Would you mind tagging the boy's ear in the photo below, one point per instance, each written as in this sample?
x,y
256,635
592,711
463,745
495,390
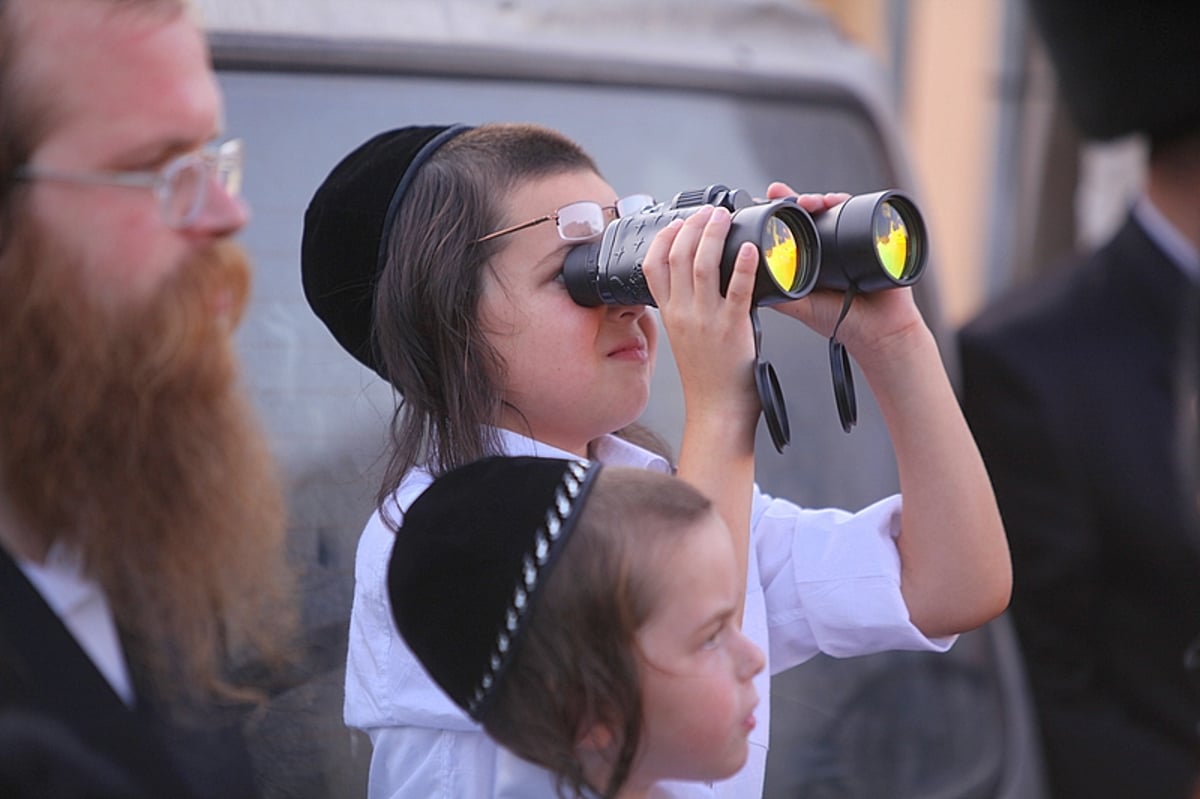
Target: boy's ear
x,y
595,738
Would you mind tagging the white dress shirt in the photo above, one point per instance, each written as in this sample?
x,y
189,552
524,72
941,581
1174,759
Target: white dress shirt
x,y
1167,237
818,581
80,603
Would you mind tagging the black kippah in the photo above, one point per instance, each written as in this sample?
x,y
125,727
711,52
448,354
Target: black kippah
x,y
346,228
1125,66
470,561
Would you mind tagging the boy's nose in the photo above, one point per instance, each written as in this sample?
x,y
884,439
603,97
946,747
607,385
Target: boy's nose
x,y
752,660
627,311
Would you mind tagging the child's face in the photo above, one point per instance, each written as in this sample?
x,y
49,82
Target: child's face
x,y
573,373
697,666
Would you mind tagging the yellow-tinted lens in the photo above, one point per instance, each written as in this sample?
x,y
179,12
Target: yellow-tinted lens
x,y
891,240
779,251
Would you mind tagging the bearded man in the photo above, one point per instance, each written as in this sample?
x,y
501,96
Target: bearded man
x,y
141,519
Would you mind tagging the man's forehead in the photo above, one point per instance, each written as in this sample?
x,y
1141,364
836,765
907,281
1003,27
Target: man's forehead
x,y
55,38
135,72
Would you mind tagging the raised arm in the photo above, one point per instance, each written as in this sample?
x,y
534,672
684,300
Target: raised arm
x,y
712,342
955,568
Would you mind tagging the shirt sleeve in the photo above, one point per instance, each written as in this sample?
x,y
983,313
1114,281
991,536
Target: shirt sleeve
x,y
385,684
831,582
413,762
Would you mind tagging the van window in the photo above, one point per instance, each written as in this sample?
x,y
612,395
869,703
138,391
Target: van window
x,y
897,725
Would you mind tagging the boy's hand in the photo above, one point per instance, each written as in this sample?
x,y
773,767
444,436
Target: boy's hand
x,y
877,322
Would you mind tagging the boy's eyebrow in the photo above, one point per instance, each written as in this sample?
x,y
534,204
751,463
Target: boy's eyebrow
x,y
717,617
553,256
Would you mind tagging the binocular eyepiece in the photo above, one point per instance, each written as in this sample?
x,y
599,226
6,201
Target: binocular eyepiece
x,y
869,242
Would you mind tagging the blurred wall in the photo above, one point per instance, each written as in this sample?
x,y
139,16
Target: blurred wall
x,y
946,56
1007,187
1003,180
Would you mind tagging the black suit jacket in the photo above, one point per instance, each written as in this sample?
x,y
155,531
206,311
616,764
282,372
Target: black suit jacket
x,y
1071,391
44,674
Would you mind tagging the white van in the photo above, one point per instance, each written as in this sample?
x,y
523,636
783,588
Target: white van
x,y
667,96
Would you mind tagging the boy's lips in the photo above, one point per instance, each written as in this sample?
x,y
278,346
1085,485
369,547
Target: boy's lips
x,y
750,723
629,348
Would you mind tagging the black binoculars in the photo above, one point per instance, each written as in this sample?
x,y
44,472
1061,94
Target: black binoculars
x,y
869,243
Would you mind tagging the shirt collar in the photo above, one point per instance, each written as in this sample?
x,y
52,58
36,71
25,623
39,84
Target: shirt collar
x,y
60,579
1167,237
608,449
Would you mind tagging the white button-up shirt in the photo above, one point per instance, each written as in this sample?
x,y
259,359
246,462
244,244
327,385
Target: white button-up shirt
x,y
818,581
80,603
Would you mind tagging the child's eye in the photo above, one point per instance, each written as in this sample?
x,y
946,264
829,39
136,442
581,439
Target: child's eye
x,y
714,640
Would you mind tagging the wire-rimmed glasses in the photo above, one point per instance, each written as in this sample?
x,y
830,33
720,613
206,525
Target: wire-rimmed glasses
x,y
181,185
583,220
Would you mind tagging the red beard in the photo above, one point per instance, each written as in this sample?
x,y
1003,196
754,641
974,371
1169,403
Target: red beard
x,y
125,434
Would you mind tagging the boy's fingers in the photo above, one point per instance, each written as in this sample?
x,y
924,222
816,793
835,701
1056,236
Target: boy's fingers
x,y
656,266
742,280
706,267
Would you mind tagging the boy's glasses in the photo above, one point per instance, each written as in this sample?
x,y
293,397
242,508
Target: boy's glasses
x,y
181,185
583,220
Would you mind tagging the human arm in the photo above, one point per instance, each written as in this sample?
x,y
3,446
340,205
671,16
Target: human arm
x,y
713,344
955,569
827,580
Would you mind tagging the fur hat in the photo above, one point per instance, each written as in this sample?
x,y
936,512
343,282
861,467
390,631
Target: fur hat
x,y
1125,66
346,231
470,561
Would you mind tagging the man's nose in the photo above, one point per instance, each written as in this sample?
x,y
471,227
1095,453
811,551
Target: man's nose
x,y
222,214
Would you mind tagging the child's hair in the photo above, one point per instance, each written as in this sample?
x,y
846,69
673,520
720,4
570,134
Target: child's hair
x,y
571,659
393,265
427,299
578,664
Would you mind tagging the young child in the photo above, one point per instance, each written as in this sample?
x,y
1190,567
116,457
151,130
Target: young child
x,y
585,616
434,255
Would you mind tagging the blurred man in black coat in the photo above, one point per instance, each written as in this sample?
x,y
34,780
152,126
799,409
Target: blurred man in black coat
x,y
1081,391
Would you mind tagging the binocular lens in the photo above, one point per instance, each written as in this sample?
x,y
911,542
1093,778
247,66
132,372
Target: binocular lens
x,y
891,240
872,242
778,247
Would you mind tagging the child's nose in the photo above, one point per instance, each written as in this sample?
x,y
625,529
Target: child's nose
x,y
627,311
752,659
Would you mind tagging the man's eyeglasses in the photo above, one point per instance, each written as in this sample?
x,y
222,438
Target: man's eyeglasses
x,y
181,185
583,220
